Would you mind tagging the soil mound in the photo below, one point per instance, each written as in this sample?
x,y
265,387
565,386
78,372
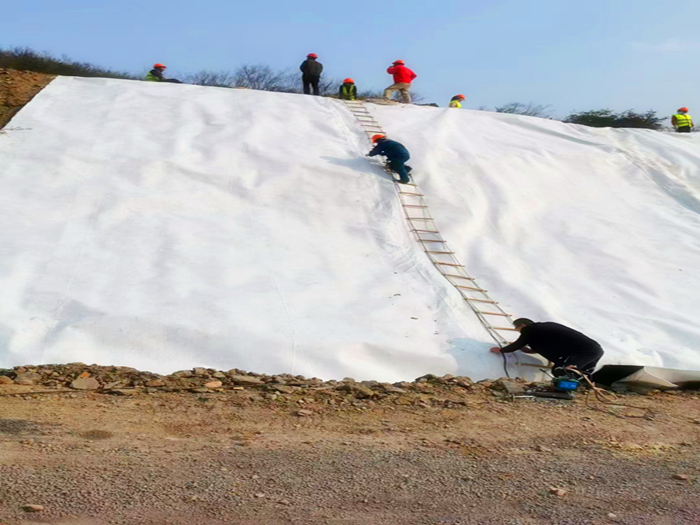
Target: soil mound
x,y
17,88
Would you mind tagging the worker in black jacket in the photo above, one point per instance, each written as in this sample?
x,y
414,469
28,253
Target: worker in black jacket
x,y
396,155
311,70
563,346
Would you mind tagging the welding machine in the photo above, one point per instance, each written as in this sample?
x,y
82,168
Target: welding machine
x,y
565,384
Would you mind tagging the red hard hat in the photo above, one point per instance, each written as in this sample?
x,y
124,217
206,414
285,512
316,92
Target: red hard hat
x,y
683,109
312,55
160,65
398,62
348,81
375,138
460,96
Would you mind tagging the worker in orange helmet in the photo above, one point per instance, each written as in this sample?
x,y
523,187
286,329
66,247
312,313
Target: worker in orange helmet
x,y
456,101
402,81
156,75
682,121
396,156
311,70
348,90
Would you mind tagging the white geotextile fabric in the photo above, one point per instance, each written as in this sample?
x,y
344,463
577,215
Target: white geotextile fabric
x,y
166,226
598,229
169,226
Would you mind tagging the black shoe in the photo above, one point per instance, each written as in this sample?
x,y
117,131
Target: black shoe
x,y
404,181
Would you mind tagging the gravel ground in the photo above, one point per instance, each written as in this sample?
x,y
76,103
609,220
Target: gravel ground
x,y
234,457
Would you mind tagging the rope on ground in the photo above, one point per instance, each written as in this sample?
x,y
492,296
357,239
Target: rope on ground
x,y
610,399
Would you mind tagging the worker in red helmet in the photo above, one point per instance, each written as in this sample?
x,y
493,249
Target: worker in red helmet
x,y
682,121
156,75
348,90
402,81
456,101
311,70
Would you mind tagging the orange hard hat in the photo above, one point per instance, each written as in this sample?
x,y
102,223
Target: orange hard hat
x,y
375,138
683,109
312,55
460,96
160,65
398,62
348,81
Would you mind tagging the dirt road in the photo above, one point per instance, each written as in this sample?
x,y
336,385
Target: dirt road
x,y
237,457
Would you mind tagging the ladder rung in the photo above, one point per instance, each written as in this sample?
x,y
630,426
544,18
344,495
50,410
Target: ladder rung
x,y
409,193
471,288
420,218
424,231
413,206
458,276
494,313
479,300
503,328
449,264
428,240
441,253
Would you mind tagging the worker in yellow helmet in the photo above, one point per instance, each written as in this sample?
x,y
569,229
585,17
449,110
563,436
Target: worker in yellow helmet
x,y
456,101
682,121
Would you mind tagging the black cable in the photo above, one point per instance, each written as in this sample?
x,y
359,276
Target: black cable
x,y
505,365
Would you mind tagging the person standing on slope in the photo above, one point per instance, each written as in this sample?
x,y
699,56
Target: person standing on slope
x,y
682,121
563,346
396,155
311,70
402,81
348,90
456,101
156,75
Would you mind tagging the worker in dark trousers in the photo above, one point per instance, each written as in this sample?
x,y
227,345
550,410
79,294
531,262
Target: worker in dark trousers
x,y
563,346
311,70
396,155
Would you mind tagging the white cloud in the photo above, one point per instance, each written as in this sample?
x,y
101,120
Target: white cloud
x,y
672,45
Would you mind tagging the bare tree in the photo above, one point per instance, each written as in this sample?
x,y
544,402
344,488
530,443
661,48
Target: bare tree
x,y
211,78
259,76
531,109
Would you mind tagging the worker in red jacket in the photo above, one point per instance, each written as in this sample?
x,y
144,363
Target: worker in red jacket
x,y
402,81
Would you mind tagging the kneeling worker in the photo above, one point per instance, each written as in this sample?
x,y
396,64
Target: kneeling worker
x,y
682,121
456,101
396,154
348,90
156,75
563,346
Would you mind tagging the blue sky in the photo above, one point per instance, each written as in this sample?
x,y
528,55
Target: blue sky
x,y
615,54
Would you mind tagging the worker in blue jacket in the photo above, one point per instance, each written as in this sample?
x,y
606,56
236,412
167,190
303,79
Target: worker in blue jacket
x,y
396,155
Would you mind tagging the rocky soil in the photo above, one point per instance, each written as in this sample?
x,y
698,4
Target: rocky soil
x,y
17,88
111,445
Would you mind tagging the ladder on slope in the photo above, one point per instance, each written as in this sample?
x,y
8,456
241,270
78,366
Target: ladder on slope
x,y
445,260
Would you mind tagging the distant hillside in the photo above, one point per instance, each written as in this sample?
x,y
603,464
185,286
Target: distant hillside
x,y
25,59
